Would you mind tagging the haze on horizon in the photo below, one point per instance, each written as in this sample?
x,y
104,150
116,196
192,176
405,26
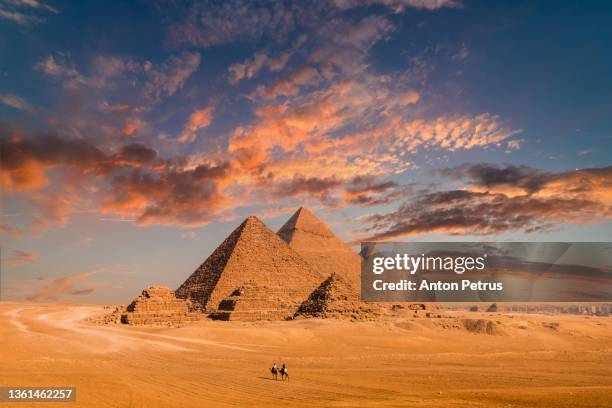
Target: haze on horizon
x,y
135,137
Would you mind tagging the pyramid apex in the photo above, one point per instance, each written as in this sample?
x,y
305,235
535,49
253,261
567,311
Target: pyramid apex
x,y
305,220
252,218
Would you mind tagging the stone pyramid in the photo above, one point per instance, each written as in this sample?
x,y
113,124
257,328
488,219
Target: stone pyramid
x,y
336,298
251,256
158,305
251,302
312,239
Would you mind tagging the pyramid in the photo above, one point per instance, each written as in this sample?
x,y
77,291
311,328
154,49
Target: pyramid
x,y
158,305
251,256
312,239
336,298
251,302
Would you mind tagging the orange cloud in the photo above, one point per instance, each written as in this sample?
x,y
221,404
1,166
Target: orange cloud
x,y
61,287
199,119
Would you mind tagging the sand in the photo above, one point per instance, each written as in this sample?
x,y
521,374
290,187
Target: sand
x,y
528,361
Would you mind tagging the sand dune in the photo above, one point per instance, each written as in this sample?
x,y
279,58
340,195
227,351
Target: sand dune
x,y
456,361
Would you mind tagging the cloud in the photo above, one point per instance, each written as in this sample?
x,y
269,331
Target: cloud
x,y
251,67
207,24
130,182
513,145
25,162
326,127
400,5
63,286
169,76
290,85
189,198
16,102
35,4
299,185
61,69
20,258
368,191
199,119
501,199
9,229
21,11
106,71
191,235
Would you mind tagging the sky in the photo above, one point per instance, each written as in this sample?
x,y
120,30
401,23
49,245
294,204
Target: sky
x,y
135,136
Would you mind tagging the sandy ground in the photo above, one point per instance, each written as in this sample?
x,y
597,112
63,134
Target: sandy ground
x,y
402,362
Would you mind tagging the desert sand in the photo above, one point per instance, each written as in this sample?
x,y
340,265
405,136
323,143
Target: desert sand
x,y
528,360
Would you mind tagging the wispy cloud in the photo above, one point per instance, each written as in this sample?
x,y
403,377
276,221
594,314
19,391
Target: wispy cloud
x,y
25,12
61,287
191,235
16,102
20,258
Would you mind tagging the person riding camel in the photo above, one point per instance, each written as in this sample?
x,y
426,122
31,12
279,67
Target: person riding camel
x,y
274,370
283,371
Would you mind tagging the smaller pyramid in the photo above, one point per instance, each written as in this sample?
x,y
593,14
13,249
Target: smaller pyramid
x,y
337,298
252,302
158,305
311,238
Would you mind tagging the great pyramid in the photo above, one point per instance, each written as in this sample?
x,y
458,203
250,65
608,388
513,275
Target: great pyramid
x,y
336,298
254,269
312,239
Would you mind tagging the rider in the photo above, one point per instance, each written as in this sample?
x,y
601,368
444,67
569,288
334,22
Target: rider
x,y
274,367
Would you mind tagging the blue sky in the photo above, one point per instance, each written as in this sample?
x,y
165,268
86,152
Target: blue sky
x,y
136,135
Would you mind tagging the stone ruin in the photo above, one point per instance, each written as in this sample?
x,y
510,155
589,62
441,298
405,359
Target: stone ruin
x,y
337,298
158,306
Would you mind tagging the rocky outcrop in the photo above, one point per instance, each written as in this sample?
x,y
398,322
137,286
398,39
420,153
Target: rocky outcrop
x,y
158,306
482,326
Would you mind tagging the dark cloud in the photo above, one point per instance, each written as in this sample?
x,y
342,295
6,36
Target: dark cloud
x,y
170,197
300,185
368,191
209,171
132,181
572,197
529,179
138,153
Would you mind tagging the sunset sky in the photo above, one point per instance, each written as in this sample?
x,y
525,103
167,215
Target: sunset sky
x,y
135,136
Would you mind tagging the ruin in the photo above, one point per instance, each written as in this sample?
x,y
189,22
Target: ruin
x,y
311,238
252,275
158,305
